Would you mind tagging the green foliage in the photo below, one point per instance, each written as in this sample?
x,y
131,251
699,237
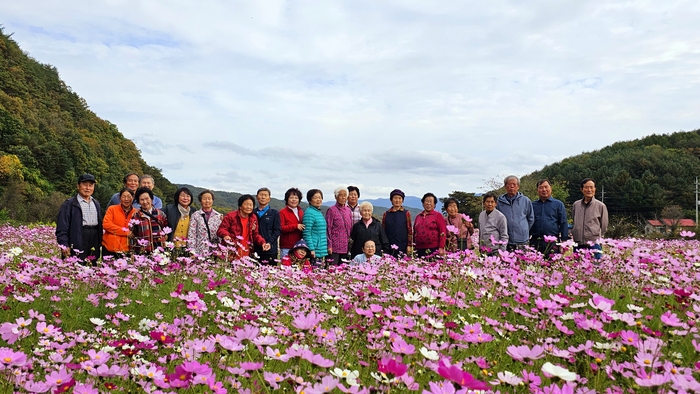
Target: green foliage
x,y
639,177
56,137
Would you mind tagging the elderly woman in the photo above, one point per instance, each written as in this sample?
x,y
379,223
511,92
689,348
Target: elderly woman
x,y
314,232
240,228
397,225
115,240
291,221
339,224
203,225
178,215
460,240
368,229
430,229
148,231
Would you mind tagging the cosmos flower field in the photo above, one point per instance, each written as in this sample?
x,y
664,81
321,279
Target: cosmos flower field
x,y
509,323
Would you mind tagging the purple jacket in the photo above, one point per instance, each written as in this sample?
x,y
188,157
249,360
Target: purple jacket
x,y
338,227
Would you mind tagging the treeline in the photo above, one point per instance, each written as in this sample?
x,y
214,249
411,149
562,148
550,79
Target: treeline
x,y
48,136
639,177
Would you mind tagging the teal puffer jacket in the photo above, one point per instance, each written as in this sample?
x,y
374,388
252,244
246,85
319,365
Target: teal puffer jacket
x,y
315,231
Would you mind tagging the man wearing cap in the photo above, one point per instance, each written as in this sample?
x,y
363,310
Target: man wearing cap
x,y
79,222
397,225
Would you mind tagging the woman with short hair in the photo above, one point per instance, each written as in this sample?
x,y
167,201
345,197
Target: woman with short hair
x,y
314,232
339,225
397,225
150,223
429,229
240,228
115,240
178,215
203,225
461,240
368,229
291,221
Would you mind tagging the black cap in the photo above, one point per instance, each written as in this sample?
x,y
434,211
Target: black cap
x,y
86,178
397,192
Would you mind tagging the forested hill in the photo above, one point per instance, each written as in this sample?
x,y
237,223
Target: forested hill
x,y
638,177
48,136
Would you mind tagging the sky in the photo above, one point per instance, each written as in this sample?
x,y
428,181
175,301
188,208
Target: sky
x,y
418,95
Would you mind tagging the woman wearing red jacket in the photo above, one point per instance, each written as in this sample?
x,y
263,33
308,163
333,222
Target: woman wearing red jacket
x,y
240,228
290,221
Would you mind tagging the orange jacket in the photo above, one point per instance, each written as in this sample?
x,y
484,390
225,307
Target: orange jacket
x,y
116,229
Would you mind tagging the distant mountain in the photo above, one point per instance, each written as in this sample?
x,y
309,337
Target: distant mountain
x,y
228,201
408,202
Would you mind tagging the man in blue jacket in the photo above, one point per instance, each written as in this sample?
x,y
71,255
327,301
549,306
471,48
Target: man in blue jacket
x,y
269,227
518,212
79,222
550,220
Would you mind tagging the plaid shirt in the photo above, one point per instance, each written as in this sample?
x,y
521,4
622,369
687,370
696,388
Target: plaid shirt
x,y
148,230
89,211
356,217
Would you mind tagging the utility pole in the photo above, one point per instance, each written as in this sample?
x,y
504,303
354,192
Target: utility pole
x,y
602,195
696,201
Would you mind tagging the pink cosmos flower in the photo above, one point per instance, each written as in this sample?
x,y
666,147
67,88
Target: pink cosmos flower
x,y
307,322
391,367
10,358
402,347
273,379
646,379
9,332
84,388
523,352
251,366
687,234
671,319
601,303
462,378
57,378
276,355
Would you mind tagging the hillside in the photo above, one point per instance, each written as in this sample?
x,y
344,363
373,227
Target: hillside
x,y
48,136
638,177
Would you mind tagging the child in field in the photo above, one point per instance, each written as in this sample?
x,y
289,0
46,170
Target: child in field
x,y
299,256
367,255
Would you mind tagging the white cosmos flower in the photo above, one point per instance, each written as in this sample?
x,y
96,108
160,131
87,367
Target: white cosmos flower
x,y
97,321
426,293
634,308
435,323
561,373
345,373
16,251
411,296
429,354
334,310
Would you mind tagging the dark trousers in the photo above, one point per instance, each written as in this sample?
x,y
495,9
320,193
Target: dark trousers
x,y
546,248
268,258
514,247
92,243
335,258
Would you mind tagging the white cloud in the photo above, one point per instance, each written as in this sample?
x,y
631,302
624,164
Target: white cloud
x,y
423,96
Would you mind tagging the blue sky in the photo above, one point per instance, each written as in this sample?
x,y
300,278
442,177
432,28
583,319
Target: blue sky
x,y
422,96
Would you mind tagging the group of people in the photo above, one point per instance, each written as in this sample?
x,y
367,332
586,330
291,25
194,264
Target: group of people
x,y
512,221
136,222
